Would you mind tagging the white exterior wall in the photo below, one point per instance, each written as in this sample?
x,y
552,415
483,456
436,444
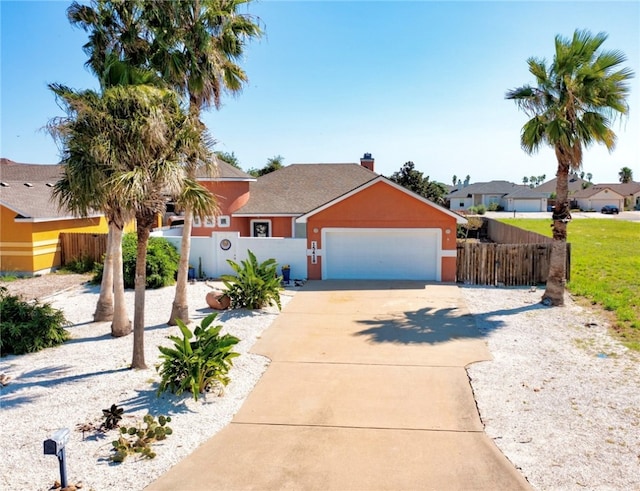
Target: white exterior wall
x,y
455,204
601,198
208,251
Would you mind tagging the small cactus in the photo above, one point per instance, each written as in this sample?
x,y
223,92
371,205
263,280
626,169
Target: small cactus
x,y
138,439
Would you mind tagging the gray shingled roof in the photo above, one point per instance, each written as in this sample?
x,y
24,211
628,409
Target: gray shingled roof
x,y
491,187
300,188
626,189
575,185
26,190
225,172
525,192
595,189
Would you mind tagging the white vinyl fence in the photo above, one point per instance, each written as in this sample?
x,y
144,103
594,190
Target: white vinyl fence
x,y
211,253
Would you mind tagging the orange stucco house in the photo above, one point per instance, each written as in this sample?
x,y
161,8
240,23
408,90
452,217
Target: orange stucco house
x,y
356,223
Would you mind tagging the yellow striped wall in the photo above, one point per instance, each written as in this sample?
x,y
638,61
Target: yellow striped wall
x,y
32,247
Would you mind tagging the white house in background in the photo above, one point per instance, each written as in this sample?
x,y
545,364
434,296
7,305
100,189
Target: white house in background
x,y
574,184
630,191
595,197
506,194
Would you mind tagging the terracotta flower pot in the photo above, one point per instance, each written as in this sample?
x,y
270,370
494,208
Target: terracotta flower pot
x,y
218,300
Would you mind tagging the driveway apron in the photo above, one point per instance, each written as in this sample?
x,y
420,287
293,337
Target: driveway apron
x,y
367,390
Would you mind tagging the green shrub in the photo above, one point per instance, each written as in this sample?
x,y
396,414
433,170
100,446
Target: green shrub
x,y
481,209
80,265
255,285
162,262
196,365
138,439
494,206
27,327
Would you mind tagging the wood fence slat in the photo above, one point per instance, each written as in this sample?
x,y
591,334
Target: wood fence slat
x,y
76,246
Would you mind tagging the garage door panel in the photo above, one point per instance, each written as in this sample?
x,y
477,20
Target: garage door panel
x,y
527,205
381,254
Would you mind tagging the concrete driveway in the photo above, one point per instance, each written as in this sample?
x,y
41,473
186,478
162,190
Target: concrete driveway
x,y
367,390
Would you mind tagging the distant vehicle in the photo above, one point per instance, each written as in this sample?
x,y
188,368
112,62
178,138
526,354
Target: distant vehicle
x,y
610,209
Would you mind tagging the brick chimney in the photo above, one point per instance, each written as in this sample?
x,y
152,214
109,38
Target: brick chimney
x,y
367,161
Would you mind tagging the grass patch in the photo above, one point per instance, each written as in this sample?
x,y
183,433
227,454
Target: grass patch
x,y
605,268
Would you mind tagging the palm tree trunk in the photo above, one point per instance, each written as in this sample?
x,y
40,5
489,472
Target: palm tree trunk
x,y
104,307
144,230
554,292
121,325
180,308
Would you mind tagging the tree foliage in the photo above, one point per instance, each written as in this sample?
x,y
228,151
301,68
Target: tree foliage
x,y
273,164
229,158
412,179
625,175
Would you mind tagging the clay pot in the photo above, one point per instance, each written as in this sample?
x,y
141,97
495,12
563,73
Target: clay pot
x,y
218,300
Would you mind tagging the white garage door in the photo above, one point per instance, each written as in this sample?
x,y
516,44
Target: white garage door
x,y
527,205
381,254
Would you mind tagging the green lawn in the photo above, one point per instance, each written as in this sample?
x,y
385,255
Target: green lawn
x,y
605,267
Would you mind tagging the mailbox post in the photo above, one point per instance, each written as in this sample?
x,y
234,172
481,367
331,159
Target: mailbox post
x,y
55,446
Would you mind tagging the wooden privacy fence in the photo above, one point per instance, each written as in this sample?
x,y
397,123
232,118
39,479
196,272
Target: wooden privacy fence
x,y
516,257
80,246
503,233
504,264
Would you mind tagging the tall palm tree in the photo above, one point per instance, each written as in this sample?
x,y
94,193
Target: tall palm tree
x,y
82,190
149,135
107,22
196,48
571,107
625,175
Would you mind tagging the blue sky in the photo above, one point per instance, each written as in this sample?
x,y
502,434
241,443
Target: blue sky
x,y
421,81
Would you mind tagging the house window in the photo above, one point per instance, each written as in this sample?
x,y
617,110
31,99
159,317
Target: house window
x,y
196,221
209,222
461,204
260,228
224,221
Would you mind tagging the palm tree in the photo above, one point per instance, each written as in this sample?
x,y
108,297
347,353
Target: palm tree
x,y
149,138
106,22
589,176
570,108
196,49
82,190
525,180
625,175
454,179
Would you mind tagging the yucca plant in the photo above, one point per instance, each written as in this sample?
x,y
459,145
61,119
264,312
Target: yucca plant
x,y
255,285
197,364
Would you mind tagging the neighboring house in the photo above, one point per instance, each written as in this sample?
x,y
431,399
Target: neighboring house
x,y
510,196
595,197
630,191
354,223
30,222
574,184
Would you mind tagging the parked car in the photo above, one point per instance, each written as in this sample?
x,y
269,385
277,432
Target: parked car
x,y
610,209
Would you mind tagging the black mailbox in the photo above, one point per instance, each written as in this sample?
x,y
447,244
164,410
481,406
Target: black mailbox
x,y
55,446
56,443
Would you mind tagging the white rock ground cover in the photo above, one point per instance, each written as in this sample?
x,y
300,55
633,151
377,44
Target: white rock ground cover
x,y
561,399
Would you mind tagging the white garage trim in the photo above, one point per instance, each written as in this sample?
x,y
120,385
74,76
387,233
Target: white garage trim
x,y
382,253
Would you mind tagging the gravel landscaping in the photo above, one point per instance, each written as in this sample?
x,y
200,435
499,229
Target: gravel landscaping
x,y
561,399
